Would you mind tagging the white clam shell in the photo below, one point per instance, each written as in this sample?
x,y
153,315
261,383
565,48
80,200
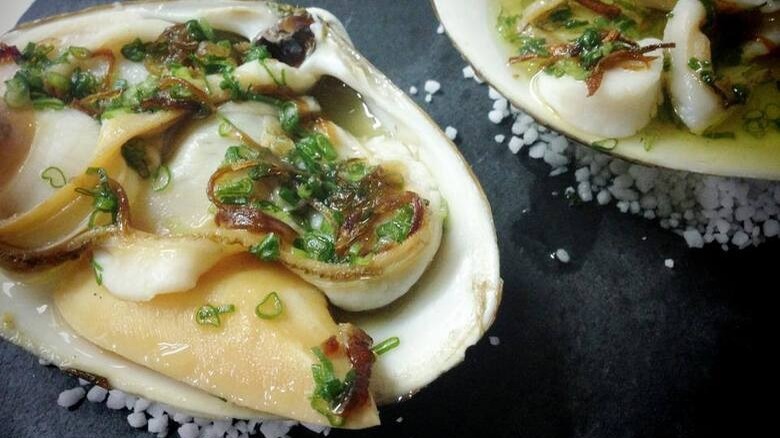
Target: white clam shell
x,y
448,309
471,26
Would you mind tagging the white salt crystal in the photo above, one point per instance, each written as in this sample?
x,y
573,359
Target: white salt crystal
x,y
70,397
97,394
137,419
432,87
450,132
693,238
515,144
116,399
562,255
189,430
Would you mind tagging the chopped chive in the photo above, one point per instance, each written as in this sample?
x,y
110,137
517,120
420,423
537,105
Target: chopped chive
x,y
54,176
289,117
225,128
606,144
268,249
270,307
386,345
98,270
235,192
162,178
209,315
134,51
79,52
397,229
44,103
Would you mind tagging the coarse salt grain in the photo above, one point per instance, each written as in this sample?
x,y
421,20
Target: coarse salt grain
x,y
562,255
97,394
440,29
451,132
70,397
499,138
413,90
669,263
137,420
494,341
116,399
496,116
515,144
158,425
432,87
189,430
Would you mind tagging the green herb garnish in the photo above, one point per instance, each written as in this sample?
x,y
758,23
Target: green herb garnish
x,y
104,199
317,246
162,178
54,176
210,315
235,192
386,345
289,117
270,308
606,144
98,271
268,249
329,389
398,228
239,153
134,51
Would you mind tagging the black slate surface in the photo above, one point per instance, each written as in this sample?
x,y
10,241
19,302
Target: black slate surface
x,y
611,345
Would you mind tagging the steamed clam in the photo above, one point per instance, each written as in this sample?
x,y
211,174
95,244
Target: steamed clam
x,y
682,84
190,194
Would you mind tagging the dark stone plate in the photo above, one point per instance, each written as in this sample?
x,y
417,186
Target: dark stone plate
x,y
612,344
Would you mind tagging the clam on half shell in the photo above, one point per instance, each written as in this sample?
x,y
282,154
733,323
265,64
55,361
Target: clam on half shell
x,y
124,215
472,26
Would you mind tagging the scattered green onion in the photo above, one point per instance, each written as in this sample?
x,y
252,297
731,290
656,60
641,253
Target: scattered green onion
x,y
57,82
104,199
79,52
606,144
316,245
268,249
235,192
397,229
239,153
54,176
45,103
98,271
162,178
386,345
17,92
134,51
83,83
270,308
210,315
329,389
200,30
256,53
225,128
289,117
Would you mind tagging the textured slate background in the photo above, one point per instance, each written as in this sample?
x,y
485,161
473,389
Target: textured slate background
x,y
613,344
